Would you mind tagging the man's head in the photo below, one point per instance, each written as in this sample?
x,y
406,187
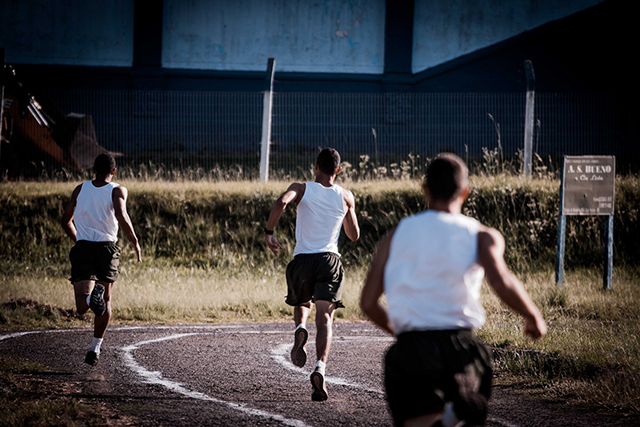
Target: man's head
x,y
328,161
447,177
104,164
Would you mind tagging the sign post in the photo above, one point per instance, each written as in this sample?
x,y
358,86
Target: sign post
x,y
587,188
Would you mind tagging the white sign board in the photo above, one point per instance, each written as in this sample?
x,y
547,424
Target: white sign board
x,y
588,184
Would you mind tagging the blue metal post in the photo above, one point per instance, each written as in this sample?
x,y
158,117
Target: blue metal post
x,y
562,227
608,253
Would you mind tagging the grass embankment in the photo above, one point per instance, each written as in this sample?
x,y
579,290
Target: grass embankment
x,y
205,261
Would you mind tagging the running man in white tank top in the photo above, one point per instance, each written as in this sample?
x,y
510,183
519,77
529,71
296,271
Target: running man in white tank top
x,y
431,268
315,274
91,220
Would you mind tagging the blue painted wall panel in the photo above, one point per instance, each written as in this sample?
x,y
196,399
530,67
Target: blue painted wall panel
x,y
333,36
447,29
69,32
321,36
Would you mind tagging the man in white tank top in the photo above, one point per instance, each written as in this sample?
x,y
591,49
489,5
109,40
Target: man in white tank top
x,y
315,274
431,268
91,220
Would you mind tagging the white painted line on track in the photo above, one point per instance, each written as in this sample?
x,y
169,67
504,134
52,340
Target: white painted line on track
x,y
44,331
17,334
120,329
151,377
280,355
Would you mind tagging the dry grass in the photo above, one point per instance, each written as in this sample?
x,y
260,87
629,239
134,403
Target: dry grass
x,y
159,292
592,352
205,187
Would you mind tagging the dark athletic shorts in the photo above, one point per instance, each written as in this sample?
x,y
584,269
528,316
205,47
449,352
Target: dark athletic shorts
x,y
94,261
315,277
426,369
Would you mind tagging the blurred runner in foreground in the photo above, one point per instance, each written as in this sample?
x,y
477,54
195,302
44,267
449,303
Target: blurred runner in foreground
x,y
431,268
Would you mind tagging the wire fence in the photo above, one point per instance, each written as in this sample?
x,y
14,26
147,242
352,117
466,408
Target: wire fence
x,y
221,131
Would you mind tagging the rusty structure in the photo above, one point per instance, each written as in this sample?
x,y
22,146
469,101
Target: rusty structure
x,y
35,131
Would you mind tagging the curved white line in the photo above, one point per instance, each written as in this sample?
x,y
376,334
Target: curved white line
x,y
279,354
153,377
17,334
120,328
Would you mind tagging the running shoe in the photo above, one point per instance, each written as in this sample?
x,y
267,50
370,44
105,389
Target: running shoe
x,y
96,302
298,352
319,389
91,358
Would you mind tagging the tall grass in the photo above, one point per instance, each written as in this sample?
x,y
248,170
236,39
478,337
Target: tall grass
x,y
355,167
215,225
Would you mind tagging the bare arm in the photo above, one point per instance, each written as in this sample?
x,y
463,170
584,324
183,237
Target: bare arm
x,y
67,217
506,285
293,194
119,198
374,286
350,222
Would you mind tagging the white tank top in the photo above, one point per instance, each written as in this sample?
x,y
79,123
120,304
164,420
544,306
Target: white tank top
x,y
432,278
94,217
319,219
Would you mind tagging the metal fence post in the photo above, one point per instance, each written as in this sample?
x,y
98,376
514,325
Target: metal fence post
x,y
266,121
528,121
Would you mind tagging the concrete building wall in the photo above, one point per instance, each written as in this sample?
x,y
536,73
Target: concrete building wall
x,y
68,32
324,36
305,36
447,29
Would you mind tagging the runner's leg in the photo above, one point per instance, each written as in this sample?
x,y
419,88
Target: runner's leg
x,y
101,322
324,325
301,313
82,289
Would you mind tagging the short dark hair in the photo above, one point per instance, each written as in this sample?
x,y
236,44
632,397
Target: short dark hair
x,y
446,177
328,161
104,164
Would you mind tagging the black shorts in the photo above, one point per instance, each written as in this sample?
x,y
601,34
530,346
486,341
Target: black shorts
x,y
426,369
94,261
315,277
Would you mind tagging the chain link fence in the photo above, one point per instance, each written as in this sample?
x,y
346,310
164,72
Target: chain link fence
x,y
218,134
